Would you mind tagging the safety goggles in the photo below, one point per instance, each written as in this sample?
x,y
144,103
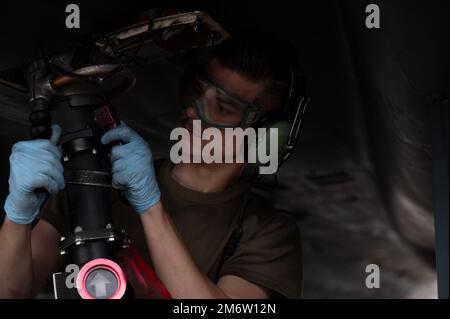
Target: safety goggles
x,y
216,107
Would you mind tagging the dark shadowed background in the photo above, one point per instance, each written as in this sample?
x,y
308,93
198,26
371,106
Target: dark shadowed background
x,y
360,182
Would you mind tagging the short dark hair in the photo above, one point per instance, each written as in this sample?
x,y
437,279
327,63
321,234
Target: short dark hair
x,y
256,55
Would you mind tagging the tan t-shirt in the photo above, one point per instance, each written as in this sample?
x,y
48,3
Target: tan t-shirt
x,y
268,254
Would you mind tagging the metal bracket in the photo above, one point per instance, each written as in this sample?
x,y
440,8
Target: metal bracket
x,y
79,238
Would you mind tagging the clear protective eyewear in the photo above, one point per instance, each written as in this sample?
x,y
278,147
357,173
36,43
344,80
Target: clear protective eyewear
x,y
218,108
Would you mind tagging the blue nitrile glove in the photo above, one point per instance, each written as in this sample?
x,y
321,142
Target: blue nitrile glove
x,y
132,168
34,165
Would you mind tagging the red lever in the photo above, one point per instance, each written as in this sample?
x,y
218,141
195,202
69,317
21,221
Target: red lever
x,y
106,119
141,276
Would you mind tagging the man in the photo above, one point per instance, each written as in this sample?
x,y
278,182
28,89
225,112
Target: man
x,y
180,216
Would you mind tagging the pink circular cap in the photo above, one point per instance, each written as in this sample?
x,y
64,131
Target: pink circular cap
x,y
101,264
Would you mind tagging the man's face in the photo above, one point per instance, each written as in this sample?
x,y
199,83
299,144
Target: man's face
x,y
238,86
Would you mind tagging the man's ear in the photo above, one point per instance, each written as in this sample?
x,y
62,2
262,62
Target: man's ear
x,y
191,113
187,113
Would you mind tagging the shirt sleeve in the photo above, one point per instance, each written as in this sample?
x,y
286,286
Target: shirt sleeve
x,y
269,255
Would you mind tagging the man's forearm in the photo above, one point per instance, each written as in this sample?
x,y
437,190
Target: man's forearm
x,y
16,267
172,261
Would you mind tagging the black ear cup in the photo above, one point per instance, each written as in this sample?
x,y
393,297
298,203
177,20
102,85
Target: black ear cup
x,y
276,134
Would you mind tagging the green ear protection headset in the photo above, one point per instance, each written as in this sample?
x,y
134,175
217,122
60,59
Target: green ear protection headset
x,y
288,120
